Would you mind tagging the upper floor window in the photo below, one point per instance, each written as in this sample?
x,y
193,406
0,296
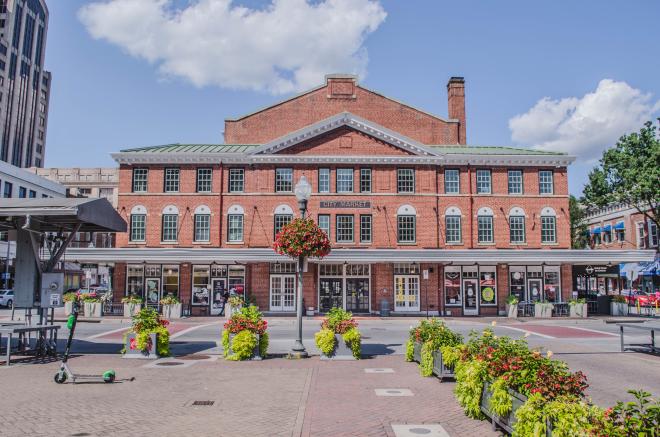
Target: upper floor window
x,y
548,225
406,224
365,228
365,180
344,180
324,180
324,224
236,180
138,223
620,230
172,180
641,237
235,228
485,225
452,181
453,228
517,226
204,180
202,231
283,180
140,180
546,182
33,194
484,182
653,234
280,221
405,180
9,187
22,192
515,181
344,228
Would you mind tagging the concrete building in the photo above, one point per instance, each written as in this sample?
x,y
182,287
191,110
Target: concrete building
x,y
416,217
24,84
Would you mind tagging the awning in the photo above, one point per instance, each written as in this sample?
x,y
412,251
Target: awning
x,y
607,228
620,226
650,269
596,231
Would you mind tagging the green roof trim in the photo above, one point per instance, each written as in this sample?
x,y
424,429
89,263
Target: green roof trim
x,y
193,148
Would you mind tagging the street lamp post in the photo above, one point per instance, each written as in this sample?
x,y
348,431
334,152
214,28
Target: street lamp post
x,y
303,191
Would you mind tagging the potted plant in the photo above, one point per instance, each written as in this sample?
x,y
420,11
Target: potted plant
x,y
577,307
512,306
543,309
235,304
68,299
148,336
427,340
244,336
132,305
619,306
171,307
92,305
339,337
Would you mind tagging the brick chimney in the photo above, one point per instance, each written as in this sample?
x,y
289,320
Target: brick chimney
x,y
456,103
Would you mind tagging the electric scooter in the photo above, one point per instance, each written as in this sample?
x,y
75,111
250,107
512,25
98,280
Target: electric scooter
x,y
65,372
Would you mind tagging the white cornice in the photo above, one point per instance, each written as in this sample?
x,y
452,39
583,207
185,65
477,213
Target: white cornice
x,y
522,160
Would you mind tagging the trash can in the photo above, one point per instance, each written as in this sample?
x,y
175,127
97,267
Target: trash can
x,y
384,308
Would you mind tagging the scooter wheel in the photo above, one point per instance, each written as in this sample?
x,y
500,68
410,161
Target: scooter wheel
x,y
109,378
60,377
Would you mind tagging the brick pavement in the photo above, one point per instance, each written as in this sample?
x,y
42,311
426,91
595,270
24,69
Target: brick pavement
x,y
275,397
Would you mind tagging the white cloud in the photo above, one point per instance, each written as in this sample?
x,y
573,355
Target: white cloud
x,y
584,126
287,46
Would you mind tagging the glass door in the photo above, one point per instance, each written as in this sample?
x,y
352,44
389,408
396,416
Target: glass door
x,y
330,294
406,293
357,295
219,288
282,292
152,291
471,305
535,287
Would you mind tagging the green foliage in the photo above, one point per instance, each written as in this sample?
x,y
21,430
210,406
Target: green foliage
x,y
530,420
568,418
235,301
169,300
353,339
451,354
470,376
512,299
410,350
147,321
426,363
435,331
501,401
225,343
576,213
263,344
339,321
132,298
90,298
325,341
71,296
639,418
580,301
242,346
619,299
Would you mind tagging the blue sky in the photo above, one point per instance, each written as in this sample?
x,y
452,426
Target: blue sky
x,y
118,82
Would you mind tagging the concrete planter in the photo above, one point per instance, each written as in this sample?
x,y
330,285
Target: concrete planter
x,y
150,354
509,420
93,309
68,308
439,368
172,311
310,312
256,354
577,310
131,309
341,353
417,352
619,308
543,310
512,311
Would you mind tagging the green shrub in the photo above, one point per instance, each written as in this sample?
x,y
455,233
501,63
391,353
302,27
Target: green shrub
x,y
639,418
225,343
263,344
426,363
242,346
470,376
530,421
325,341
71,296
512,299
353,339
501,401
619,299
410,350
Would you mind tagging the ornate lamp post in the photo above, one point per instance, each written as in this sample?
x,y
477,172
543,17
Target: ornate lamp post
x,y
303,191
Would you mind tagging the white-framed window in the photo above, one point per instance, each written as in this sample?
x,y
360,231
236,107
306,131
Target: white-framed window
x,y
452,181
235,228
204,179
280,220
453,295
453,228
607,234
365,228
653,234
140,180
485,225
365,180
324,224
515,181
202,231
484,182
135,280
172,180
283,180
405,180
201,285
324,180
405,225
344,228
517,228
487,286
170,225
641,235
548,226
546,182
344,180
236,180
138,227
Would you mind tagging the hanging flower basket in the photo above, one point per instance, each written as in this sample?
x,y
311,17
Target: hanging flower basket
x,y
302,237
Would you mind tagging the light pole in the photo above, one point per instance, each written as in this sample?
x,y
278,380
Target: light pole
x,y
303,191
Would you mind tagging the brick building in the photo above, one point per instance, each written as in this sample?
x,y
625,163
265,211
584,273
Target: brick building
x,y
416,217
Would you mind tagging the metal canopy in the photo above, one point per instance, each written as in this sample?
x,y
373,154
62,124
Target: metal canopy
x,y
61,214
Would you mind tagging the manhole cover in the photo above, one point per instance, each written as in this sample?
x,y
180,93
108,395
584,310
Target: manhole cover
x,y
169,363
394,392
203,403
420,431
194,357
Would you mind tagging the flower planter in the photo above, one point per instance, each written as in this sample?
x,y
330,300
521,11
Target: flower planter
x,y
68,308
93,309
256,354
506,422
439,368
341,353
619,308
543,310
131,309
577,310
234,309
151,354
417,352
172,311
512,311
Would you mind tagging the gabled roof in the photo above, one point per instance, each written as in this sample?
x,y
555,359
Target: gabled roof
x,y
193,148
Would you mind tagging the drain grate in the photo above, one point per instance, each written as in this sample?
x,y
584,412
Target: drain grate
x,y
194,357
169,363
203,403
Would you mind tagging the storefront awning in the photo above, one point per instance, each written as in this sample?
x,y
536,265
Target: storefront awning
x,y
620,226
607,228
650,268
596,230
466,256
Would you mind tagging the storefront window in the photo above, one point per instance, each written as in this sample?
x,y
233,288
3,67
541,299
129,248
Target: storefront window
x,y
236,280
551,286
170,280
453,286
201,285
487,285
135,280
517,283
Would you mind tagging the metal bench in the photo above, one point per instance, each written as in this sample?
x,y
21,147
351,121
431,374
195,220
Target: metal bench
x,y
651,328
45,341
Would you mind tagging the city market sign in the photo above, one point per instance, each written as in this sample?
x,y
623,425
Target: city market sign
x,y
345,204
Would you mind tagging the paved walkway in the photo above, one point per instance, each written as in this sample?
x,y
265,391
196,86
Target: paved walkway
x,y
274,397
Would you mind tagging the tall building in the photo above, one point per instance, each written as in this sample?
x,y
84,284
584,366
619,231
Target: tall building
x,y
24,84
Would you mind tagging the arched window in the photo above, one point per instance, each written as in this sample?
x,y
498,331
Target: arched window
x,y
138,223
202,223
485,225
517,225
406,221
170,224
235,220
283,215
453,225
548,226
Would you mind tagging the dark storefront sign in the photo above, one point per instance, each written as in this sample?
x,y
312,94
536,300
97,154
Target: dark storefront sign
x,y
345,204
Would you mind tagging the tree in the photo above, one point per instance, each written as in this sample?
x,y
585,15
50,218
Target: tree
x,y
579,238
629,173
